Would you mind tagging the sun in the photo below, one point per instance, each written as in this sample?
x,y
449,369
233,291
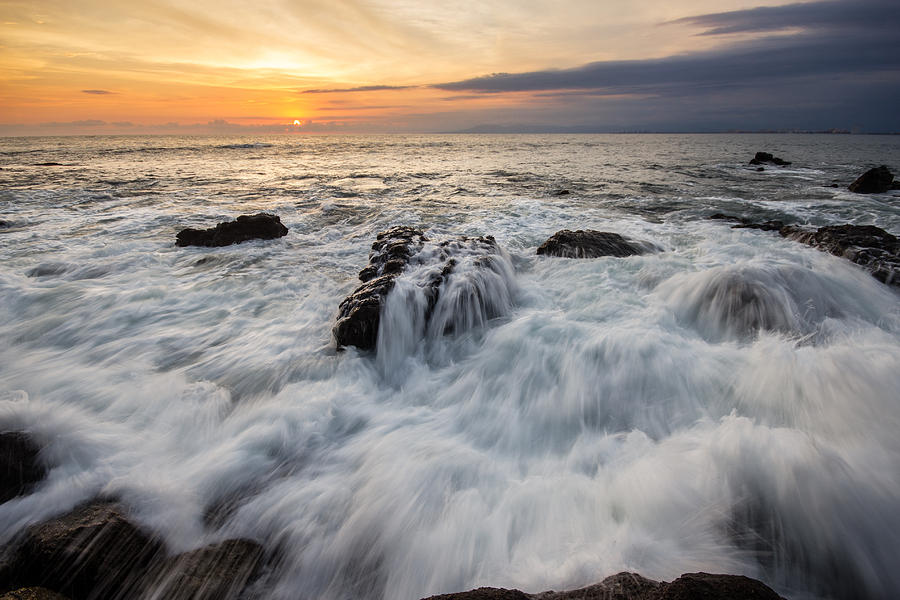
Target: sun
x,y
297,122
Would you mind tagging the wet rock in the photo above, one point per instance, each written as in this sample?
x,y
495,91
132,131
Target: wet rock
x,y
873,181
33,593
399,250
93,551
762,158
20,466
49,164
704,586
216,572
631,586
866,245
592,244
760,169
775,225
563,193
5,224
263,226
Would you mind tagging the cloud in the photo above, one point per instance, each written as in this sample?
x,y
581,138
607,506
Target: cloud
x,y
83,123
98,92
839,44
364,88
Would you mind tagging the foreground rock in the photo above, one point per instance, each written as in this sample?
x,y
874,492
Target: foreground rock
x,y
91,552
471,275
873,181
262,226
866,245
631,586
592,244
20,466
216,572
764,158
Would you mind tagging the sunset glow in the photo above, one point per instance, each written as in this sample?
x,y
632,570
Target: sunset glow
x,y
387,65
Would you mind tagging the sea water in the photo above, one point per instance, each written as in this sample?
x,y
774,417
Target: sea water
x,y
729,404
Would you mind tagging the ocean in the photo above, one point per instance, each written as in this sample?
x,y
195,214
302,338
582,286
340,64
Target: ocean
x,y
607,416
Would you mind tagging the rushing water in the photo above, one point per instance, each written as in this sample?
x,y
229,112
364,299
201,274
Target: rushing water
x,y
729,404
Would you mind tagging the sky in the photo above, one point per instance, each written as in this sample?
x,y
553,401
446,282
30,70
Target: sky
x,y
358,66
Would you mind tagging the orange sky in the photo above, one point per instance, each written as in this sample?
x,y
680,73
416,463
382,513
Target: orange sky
x,y
137,66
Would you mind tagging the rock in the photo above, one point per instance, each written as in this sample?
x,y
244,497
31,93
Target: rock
x,y
760,169
33,593
631,586
92,551
775,225
49,164
263,226
563,193
5,224
470,260
216,572
484,593
766,158
20,467
873,181
895,185
866,245
592,244
703,586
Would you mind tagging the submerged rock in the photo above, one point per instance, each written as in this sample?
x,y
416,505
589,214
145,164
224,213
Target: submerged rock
x,y
93,551
873,181
453,277
592,244
866,245
20,466
263,226
216,572
631,586
766,158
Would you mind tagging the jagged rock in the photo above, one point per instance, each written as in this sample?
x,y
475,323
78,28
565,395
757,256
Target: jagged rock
x,y
873,181
263,226
563,193
93,551
866,245
33,593
216,572
766,158
592,244
20,467
704,586
631,586
396,251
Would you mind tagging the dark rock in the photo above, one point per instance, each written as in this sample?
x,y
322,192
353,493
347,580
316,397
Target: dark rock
x,y
592,244
5,224
263,226
20,467
895,185
868,246
834,185
704,586
393,253
484,593
766,158
93,551
765,225
563,193
873,181
33,593
49,164
760,168
631,586
216,572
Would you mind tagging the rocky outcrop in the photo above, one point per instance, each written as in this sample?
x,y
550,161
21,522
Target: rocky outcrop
x,y
764,158
873,181
430,264
20,465
262,226
592,244
631,586
216,572
866,245
93,551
